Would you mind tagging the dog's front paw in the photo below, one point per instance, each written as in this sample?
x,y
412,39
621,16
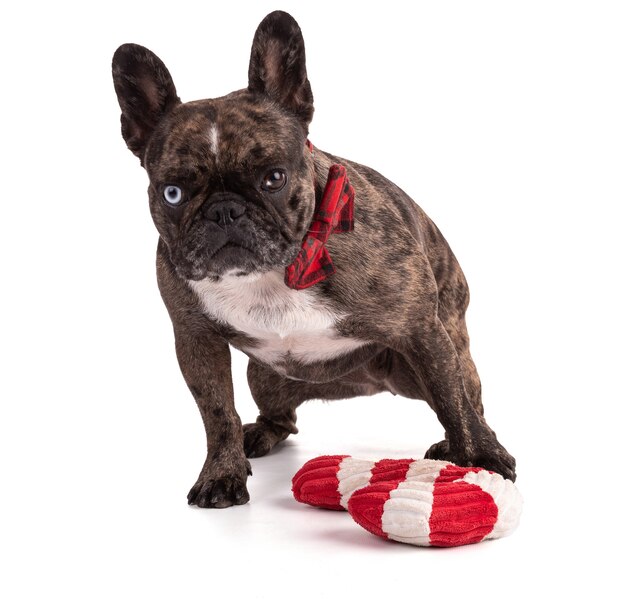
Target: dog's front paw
x,y
220,486
490,455
218,493
494,457
439,451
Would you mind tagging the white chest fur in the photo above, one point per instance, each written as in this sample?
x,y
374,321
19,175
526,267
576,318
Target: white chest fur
x,y
286,323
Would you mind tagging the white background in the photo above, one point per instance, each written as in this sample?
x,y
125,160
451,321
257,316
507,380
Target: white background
x,y
505,121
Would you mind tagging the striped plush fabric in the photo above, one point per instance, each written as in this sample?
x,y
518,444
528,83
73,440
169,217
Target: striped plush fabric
x,y
419,502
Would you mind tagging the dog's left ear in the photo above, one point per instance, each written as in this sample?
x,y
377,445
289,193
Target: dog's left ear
x,y
145,91
278,65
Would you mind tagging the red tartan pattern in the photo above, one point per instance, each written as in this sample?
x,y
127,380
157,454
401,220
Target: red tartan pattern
x,y
334,214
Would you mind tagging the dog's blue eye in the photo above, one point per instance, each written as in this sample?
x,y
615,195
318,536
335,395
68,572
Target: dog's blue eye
x,y
173,194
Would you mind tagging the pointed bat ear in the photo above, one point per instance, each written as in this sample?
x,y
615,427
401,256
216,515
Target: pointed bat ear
x,y
278,65
145,91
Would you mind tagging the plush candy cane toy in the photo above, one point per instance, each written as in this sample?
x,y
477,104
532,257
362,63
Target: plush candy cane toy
x,y
421,502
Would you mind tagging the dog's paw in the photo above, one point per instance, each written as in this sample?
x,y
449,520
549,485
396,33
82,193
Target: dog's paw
x,y
439,451
496,458
258,439
491,456
218,493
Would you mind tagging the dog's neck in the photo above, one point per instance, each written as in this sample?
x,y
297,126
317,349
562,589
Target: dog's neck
x,y
334,213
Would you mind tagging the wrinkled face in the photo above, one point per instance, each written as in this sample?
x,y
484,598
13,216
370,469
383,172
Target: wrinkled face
x,y
231,186
231,180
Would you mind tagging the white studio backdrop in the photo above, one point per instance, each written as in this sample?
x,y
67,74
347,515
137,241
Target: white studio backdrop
x,y
505,121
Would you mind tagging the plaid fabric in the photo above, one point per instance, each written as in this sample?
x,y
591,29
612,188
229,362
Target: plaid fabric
x,y
334,214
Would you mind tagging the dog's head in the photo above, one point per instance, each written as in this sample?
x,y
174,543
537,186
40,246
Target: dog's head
x,y
231,180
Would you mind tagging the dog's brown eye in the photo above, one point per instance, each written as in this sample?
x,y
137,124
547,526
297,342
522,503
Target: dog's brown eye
x,y
274,180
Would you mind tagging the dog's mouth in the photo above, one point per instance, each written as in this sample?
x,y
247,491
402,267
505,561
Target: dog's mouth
x,y
229,251
206,252
231,258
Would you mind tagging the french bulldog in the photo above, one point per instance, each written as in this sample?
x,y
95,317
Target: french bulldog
x,y
325,274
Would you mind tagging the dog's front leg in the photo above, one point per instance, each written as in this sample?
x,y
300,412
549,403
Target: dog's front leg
x,y
469,440
204,359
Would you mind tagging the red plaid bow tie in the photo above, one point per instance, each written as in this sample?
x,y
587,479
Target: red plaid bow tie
x,y
333,215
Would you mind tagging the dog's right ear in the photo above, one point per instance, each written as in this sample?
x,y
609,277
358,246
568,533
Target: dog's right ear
x,y
145,91
278,65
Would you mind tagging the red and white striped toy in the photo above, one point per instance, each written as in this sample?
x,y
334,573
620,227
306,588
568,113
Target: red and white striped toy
x,y
421,502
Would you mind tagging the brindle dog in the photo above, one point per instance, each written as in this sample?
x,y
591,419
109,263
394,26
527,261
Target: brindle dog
x,y
233,190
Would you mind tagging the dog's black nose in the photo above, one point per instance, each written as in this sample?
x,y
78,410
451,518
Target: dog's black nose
x,y
225,213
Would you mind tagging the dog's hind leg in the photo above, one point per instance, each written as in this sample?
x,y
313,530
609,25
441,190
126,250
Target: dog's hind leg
x,y
278,397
